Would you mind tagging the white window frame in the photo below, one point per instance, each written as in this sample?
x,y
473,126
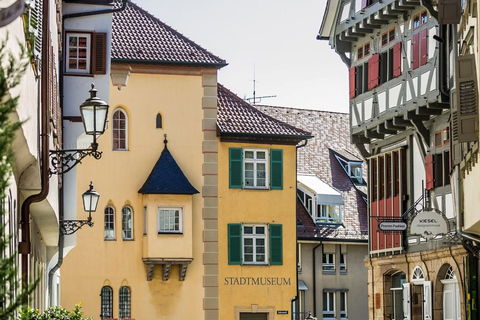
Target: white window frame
x,y
327,313
325,218
109,237
121,110
178,214
328,262
127,226
343,265
344,298
351,172
254,236
88,58
255,161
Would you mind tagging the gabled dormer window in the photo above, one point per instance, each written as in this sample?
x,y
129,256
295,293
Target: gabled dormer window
x,y
353,169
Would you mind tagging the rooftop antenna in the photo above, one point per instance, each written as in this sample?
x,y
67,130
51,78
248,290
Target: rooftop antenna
x,y
254,100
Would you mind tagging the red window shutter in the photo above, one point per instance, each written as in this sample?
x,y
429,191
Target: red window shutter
x,y
423,47
429,177
373,71
397,59
99,53
353,89
415,51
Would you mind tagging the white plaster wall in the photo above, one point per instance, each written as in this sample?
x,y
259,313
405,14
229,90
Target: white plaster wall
x,y
418,171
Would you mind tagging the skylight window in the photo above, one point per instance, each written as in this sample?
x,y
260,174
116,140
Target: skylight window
x,y
353,169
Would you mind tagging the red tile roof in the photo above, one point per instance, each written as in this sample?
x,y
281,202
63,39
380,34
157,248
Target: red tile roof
x,y
237,117
138,36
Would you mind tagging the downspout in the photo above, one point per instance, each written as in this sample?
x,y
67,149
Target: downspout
x,y
315,279
295,299
24,246
61,237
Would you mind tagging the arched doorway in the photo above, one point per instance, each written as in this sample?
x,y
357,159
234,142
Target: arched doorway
x,y
451,296
421,296
394,281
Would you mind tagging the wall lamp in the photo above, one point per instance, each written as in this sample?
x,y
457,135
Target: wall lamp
x,y
94,112
90,201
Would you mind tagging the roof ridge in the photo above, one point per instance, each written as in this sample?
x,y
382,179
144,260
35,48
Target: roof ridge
x,y
300,109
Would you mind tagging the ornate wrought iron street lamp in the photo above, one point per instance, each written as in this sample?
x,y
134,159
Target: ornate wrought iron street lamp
x,y
90,201
94,112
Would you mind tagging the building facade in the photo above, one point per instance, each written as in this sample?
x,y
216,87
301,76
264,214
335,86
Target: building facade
x,y
403,73
149,253
257,157
332,225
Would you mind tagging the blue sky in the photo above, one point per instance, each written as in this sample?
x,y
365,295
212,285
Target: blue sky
x,y
276,38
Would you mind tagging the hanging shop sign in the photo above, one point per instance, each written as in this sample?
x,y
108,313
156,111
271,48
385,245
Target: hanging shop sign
x,y
392,226
7,15
428,224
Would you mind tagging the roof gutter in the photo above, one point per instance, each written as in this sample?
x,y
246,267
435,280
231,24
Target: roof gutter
x,y
173,63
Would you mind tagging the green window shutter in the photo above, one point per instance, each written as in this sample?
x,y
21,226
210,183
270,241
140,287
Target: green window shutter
x,y
234,243
276,169
276,244
235,168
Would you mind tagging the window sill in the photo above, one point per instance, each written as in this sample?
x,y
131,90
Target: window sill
x,y
328,271
343,272
172,233
255,264
255,188
128,239
108,239
79,74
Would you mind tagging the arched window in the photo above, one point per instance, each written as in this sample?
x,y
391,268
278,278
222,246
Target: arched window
x,y
109,223
159,123
417,274
106,299
127,223
124,305
120,126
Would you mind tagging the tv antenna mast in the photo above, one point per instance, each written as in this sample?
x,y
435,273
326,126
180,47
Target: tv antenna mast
x,y
254,100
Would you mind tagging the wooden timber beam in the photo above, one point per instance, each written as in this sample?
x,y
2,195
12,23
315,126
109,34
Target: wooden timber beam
x,y
383,130
389,125
363,151
428,111
412,115
373,134
422,130
400,122
359,139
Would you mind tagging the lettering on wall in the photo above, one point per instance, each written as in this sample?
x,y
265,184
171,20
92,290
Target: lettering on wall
x,y
257,281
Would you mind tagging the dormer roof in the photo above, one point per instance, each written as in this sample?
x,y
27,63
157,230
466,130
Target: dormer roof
x,y
167,177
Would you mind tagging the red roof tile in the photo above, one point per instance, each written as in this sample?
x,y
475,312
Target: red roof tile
x,y
138,36
237,117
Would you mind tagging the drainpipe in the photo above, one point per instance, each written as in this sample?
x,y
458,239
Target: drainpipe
x,y
61,237
296,298
315,279
24,246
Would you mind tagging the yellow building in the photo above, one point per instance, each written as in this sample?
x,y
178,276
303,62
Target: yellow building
x,y
257,272
145,258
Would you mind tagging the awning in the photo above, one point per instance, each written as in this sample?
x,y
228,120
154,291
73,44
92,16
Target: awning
x,y
302,285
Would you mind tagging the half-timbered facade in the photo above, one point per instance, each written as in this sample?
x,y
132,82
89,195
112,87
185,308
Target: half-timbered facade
x,y
402,71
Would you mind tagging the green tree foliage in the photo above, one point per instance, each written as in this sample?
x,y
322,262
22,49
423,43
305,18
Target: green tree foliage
x,y
53,313
12,294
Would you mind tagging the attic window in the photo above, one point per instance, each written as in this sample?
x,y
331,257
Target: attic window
x,y
353,169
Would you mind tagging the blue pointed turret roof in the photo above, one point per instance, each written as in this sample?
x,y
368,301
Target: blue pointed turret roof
x,y
167,177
